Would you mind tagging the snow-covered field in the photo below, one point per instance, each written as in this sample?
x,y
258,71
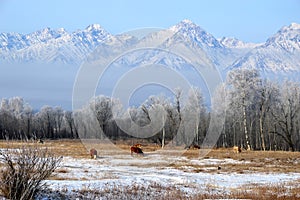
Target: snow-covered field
x,y
159,174
170,174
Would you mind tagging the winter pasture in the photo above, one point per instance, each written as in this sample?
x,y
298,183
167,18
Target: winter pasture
x,y
115,174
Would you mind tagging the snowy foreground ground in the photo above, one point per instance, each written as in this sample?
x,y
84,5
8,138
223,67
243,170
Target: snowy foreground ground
x,y
156,176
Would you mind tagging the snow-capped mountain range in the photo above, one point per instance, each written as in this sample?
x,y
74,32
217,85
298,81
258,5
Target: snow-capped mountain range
x,y
42,66
280,53
51,46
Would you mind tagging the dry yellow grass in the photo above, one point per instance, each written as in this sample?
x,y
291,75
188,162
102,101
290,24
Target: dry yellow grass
x,y
72,148
251,162
256,161
156,191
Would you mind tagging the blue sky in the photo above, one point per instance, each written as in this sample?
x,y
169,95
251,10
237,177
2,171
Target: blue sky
x,y
248,20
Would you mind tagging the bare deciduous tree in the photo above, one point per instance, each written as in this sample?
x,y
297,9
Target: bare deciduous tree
x,y
286,113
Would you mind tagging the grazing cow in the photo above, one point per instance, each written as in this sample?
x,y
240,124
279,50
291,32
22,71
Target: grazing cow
x,y
93,153
192,146
136,149
237,149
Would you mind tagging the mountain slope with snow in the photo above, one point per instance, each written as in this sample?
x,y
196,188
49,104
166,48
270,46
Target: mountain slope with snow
x,y
43,66
51,46
187,40
233,43
280,53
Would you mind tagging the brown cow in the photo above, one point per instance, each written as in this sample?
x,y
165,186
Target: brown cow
x,y
192,146
237,149
93,153
136,149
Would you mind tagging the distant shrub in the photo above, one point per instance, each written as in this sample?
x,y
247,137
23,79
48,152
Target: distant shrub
x,y
23,171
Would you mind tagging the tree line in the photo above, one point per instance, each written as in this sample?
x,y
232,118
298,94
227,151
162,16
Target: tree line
x,y
259,114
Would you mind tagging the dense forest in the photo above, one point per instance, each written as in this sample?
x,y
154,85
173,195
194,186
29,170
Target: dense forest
x,y
259,114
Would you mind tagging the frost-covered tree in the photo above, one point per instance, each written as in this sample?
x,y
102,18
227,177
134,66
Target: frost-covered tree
x,y
101,106
4,104
259,115
86,123
27,117
46,119
161,108
15,118
194,113
220,105
16,106
58,119
243,87
180,138
6,119
268,96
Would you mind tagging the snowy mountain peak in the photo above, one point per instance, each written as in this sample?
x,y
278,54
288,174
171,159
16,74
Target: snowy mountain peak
x,y
193,32
45,30
62,31
292,26
232,42
94,27
295,26
187,21
52,46
93,32
185,25
43,35
287,38
280,53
